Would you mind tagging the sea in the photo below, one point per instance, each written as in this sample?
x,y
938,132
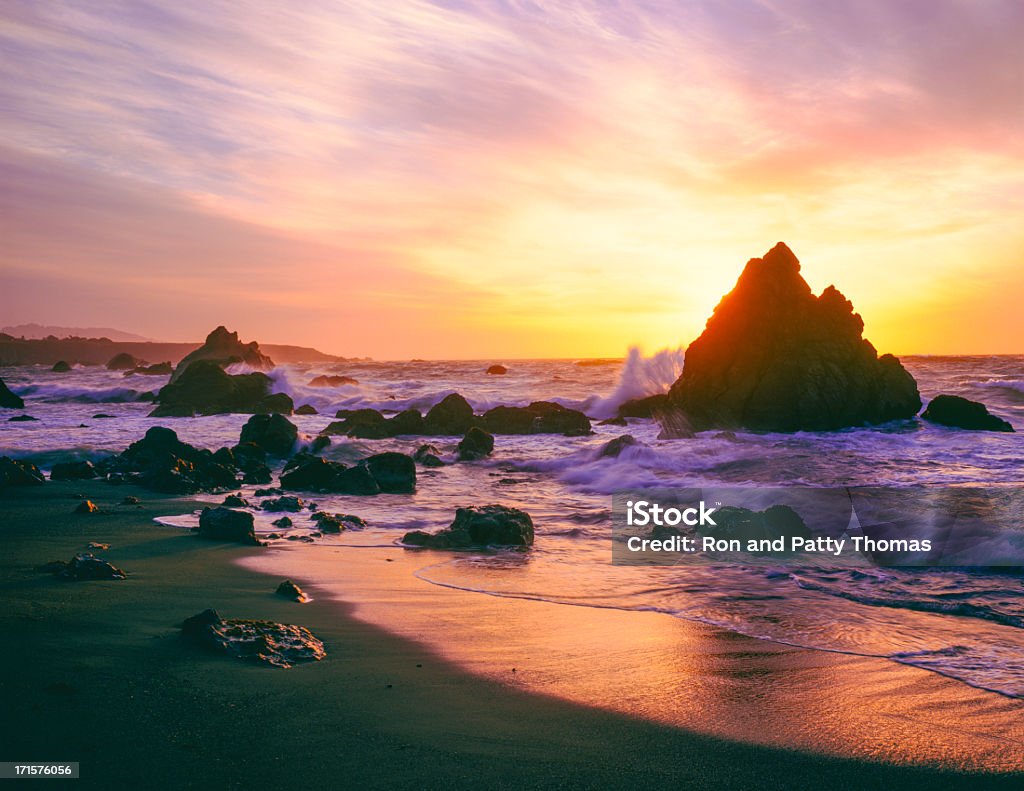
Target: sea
x,y
962,622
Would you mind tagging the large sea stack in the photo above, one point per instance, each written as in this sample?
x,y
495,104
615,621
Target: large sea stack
x,y
224,348
775,357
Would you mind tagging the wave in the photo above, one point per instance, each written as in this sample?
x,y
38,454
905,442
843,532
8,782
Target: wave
x,y
640,377
82,394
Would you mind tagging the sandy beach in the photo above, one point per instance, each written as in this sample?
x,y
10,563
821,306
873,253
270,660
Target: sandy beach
x,y
98,673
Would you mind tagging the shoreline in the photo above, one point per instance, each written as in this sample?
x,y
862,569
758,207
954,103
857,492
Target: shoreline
x,y
100,675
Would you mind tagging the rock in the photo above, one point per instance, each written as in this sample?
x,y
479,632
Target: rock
x,y
60,367
72,471
19,473
774,357
22,419
276,644
395,473
87,507
283,503
489,525
614,421
102,416
613,448
290,590
335,523
644,407
235,501
85,566
130,500
9,400
159,369
540,417
451,416
475,445
283,522
223,348
957,412
320,475
743,524
275,434
205,389
497,370
370,423
326,380
306,409
407,422
160,461
97,545
124,362
428,456
224,524
319,443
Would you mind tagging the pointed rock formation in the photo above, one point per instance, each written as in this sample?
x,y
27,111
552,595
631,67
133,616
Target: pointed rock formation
x,y
224,348
774,357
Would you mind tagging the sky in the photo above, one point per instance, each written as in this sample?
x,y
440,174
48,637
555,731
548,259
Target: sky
x,y
509,179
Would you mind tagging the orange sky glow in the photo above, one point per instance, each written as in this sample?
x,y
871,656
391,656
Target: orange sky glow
x,y
504,180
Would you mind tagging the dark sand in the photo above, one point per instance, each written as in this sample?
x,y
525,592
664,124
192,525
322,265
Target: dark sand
x,y
96,672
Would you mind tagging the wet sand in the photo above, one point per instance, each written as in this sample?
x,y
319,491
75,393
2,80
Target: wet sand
x,y
96,672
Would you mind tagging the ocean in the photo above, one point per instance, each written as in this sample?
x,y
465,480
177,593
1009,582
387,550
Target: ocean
x,y
967,624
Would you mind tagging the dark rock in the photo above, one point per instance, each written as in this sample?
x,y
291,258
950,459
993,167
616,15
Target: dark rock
x,y
85,567
130,500
284,503
206,389
957,412
774,357
235,501
369,422
614,421
778,521
224,524
357,480
644,407
326,380
19,473
310,474
22,419
407,422
124,362
489,525
102,416
257,475
162,462
306,409
497,370
72,471
319,443
275,434
395,473
451,416
222,348
87,507
276,644
9,400
613,448
283,522
290,590
268,492
159,369
423,451
60,367
475,445
540,417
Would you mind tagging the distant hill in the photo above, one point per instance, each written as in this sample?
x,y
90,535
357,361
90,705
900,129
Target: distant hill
x,y
98,351
36,331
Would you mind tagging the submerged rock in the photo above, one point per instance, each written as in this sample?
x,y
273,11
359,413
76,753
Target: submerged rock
x,y
87,507
19,473
330,380
614,447
124,362
206,389
72,471
223,348
290,590
428,456
778,521
22,419
280,645
497,370
159,369
475,445
275,434
224,524
235,501
85,566
957,412
644,407
9,400
489,525
60,367
775,357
